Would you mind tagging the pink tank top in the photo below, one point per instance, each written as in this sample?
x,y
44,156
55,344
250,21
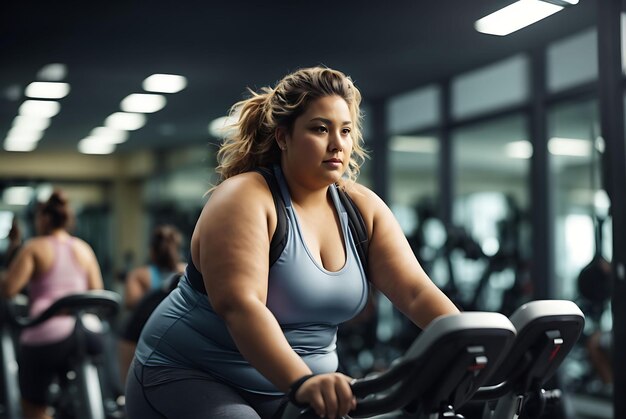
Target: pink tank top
x,y
65,277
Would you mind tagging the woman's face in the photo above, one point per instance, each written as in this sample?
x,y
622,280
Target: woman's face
x,y
317,151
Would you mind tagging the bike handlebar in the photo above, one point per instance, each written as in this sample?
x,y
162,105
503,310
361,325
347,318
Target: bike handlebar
x,y
106,303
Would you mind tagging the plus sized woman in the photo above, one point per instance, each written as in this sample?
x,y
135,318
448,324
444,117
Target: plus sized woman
x,y
268,330
53,265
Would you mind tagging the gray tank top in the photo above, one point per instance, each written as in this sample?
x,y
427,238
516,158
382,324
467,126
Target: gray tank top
x,y
307,300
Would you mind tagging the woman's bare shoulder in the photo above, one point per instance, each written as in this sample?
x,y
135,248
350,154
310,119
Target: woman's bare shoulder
x,y
371,207
364,198
36,244
242,189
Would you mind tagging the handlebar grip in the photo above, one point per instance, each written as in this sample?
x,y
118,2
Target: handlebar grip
x,y
379,382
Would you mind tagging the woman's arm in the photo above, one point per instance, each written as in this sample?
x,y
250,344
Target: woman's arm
x,y
230,247
393,267
20,271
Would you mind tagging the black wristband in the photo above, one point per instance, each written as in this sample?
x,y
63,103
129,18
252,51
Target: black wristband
x,y
294,387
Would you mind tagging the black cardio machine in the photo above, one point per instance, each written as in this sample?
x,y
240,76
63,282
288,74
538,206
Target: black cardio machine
x,y
472,357
546,332
80,393
442,369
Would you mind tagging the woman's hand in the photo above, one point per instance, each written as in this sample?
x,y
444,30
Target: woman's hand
x,y
330,395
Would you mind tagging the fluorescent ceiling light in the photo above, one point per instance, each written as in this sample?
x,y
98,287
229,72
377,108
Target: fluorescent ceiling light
x,y
126,121
519,150
24,135
14,145
47,90
515,16
92,145
164,83
223,126
17,195
143,103
32,122
52,72
412,144
40,108
109,135
44,192
569,147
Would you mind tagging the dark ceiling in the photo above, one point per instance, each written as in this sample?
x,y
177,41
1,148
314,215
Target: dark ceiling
x,y
222,48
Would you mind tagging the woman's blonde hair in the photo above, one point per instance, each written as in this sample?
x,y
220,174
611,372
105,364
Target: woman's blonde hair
x,y
251,141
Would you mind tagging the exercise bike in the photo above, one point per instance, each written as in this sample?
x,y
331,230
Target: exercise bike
x,y
546,332
431,380
80,393
442,369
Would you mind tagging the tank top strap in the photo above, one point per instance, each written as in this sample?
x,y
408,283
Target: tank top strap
x,y
335,197
282,184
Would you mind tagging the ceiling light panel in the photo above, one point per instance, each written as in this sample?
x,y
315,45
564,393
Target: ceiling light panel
x,y
223,126
14,145
32,122
515,16
125,121
109,135
92,145
164,83
25,134
47,90
40,108
143,103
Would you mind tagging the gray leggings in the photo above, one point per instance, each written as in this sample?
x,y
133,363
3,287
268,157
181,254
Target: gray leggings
x,y
161,392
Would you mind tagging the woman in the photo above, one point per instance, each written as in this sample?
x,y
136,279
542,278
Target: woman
x,y
269,330
164,263
53,265
146,286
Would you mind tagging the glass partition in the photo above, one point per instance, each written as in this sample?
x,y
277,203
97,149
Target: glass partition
x,y
575,156
488,244
413,166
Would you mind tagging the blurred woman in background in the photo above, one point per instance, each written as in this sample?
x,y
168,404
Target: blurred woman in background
x,y
146,286
53,265
165,261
